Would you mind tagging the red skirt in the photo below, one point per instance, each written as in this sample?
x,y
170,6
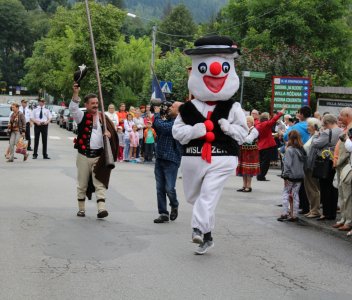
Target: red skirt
x,y
248,161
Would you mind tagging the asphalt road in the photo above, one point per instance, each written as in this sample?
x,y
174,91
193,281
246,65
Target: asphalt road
x,y
49,253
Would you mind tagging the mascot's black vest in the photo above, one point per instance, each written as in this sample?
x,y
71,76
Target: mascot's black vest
x,y
84,132
191,116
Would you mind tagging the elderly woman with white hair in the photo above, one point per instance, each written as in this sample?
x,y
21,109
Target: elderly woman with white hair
x,y
311,184
111,114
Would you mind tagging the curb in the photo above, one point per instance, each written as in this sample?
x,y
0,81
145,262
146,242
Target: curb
x,y
325,226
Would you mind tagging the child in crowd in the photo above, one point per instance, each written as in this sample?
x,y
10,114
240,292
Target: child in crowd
x,y
134,142
121,143
149,140
293,174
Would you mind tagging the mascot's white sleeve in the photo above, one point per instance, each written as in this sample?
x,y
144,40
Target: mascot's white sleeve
x,y
235,125
185,133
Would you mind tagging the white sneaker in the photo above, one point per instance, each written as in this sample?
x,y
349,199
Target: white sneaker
x,y
197,236
204,247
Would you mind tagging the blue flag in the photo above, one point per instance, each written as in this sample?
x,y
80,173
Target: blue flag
x,y
156,89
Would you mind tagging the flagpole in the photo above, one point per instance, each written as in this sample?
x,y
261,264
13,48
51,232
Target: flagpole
x,y
109,160
153,73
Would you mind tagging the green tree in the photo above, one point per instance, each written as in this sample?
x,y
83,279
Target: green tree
x,y
173,67
318,27
67,45
132,64
176,29
30,4
14,39
50,6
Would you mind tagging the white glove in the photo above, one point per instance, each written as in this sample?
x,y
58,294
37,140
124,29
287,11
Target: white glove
x,y
198,130
224,125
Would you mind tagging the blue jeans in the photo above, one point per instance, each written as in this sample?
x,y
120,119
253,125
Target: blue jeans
x,y
126,150
165,175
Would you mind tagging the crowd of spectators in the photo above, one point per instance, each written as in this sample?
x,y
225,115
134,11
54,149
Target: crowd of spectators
x,y
315,154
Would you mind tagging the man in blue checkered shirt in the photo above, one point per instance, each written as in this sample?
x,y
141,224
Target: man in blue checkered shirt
x,y
168,157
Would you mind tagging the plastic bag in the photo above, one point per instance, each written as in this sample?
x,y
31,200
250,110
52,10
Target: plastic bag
x,y
21,146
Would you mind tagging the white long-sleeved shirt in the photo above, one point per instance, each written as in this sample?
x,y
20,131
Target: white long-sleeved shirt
x,y
27,113
96,138
251,136
113,117
238,125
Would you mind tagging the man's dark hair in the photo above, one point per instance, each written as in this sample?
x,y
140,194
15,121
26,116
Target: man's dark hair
x,y
306,111
89,96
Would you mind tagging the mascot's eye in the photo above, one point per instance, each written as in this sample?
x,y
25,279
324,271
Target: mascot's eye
x,y
225,67
202,68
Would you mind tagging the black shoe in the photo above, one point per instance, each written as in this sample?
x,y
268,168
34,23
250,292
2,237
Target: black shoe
x,y
81,213
46,157
262,179
162,219
102,214
29,149
35,156
282,218
173,214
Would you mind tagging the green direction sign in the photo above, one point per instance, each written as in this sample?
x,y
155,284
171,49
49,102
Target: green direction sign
x,y
294,92
252,74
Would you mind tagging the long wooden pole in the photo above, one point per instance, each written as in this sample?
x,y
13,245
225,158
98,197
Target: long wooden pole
x,y
109,160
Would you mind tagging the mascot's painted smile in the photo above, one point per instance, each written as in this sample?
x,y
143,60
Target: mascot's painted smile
x,y
214,84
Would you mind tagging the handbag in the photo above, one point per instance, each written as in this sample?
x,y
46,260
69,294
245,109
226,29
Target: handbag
x,y
21,146
323,163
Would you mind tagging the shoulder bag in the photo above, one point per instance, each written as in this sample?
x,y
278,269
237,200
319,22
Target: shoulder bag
x,y
323,163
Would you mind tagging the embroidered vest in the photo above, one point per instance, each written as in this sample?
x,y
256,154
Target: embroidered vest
x,y
84,132
191,116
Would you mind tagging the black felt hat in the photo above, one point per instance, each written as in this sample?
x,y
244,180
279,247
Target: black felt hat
x,y
214,44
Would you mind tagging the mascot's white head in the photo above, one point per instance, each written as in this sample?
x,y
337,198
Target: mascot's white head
x,y
213,76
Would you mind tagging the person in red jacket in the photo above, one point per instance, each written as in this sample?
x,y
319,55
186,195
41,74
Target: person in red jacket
x,y
266,143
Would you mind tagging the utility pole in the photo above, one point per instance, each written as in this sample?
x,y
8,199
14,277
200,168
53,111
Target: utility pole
x,y
242,85
153,45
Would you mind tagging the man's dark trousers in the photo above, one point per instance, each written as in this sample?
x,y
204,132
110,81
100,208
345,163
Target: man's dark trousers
x,y
43,130
165,175
28,134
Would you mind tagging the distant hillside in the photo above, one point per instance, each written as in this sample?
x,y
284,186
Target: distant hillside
x,y
202,10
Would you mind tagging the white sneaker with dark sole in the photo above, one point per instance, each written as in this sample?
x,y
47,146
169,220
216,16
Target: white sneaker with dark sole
x,y
204,247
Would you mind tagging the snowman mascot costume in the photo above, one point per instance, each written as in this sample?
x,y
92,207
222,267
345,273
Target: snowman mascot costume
x,y
210,127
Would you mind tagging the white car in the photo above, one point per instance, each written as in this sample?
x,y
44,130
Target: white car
x,y
74,124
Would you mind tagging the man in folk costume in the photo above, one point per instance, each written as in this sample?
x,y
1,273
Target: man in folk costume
x,y
210,127
92,173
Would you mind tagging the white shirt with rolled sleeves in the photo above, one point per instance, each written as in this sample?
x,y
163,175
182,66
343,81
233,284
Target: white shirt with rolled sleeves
x,y
46,117
96,138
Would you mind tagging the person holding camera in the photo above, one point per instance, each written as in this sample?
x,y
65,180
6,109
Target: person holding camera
x,y
41,117
168,157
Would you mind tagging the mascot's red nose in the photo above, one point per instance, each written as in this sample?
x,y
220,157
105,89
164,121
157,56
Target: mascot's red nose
x,y
215,68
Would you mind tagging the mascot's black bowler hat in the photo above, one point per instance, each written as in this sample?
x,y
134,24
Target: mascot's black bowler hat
x,y
214,44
